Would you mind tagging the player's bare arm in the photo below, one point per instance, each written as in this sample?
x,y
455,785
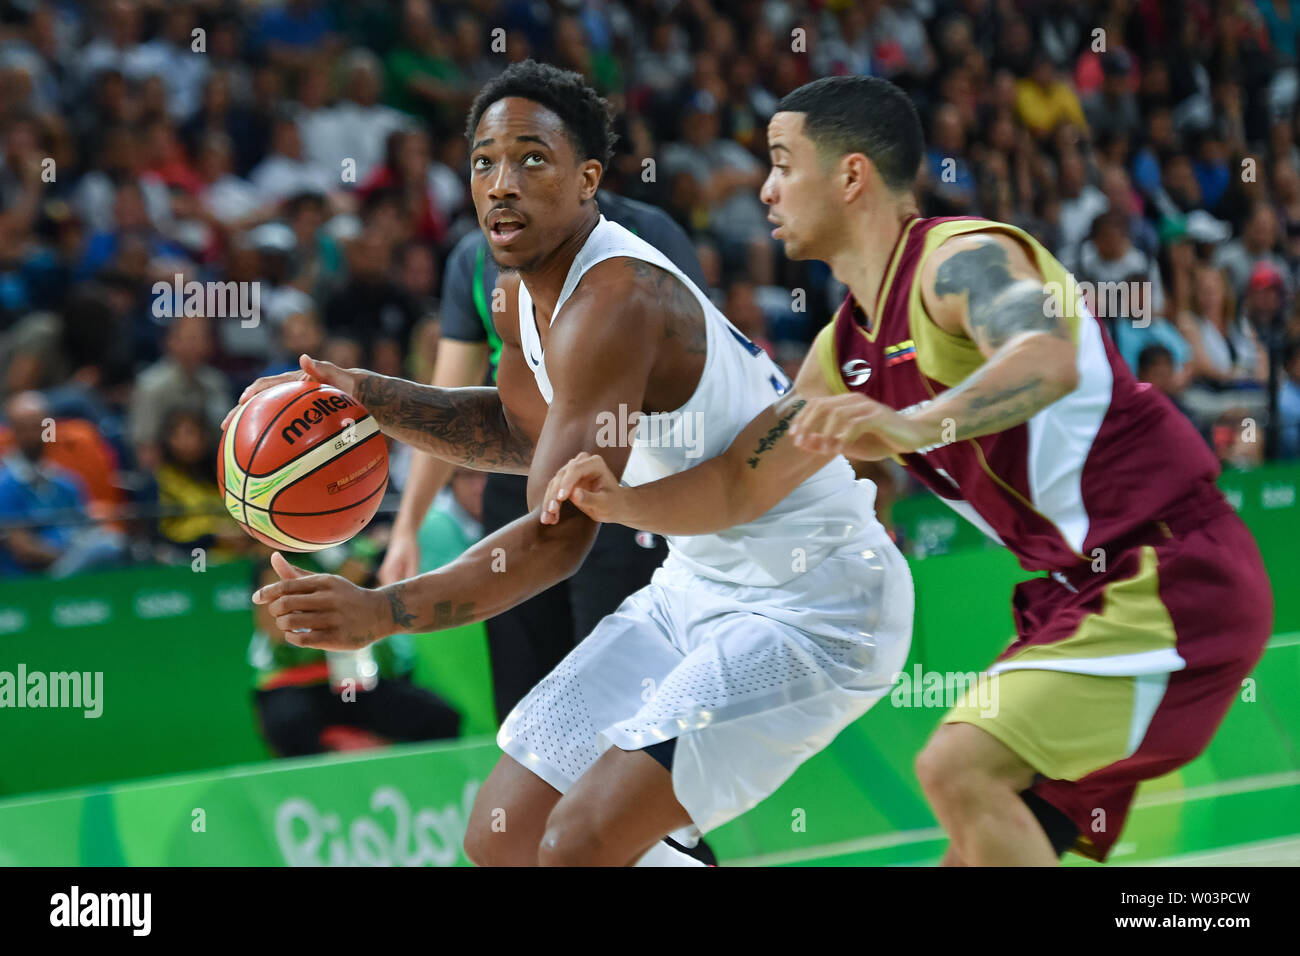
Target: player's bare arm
x,y
458,365
759,468
607,325
986,288
465,426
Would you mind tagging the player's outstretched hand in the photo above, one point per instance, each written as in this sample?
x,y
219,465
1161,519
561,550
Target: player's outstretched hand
x,y
857,426
344,379
325,611
586,481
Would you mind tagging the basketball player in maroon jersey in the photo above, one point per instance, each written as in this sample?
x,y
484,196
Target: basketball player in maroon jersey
x,y
964,351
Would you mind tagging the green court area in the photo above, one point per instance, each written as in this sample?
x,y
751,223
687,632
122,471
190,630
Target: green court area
x,y
1236,805
172,771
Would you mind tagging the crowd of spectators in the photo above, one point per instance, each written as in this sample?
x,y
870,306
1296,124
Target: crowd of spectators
x,y
315,149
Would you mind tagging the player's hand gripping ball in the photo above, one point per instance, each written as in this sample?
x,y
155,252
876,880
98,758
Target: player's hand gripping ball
x,y
303,466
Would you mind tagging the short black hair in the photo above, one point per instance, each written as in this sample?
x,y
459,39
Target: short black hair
x,y
1152,354
862,114
586,116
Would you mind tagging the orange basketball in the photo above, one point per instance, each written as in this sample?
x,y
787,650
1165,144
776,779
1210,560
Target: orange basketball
x,y
303,466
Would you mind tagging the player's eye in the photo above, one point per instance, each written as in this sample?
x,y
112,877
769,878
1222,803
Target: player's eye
x,y
481,162
537,156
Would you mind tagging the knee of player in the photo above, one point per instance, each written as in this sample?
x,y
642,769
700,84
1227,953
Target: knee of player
x,y
947,769
489,845
570,840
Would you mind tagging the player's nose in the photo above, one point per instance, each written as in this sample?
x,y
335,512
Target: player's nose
x,y
503,183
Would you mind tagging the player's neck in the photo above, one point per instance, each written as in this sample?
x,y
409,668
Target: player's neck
x,y
863,260
546,279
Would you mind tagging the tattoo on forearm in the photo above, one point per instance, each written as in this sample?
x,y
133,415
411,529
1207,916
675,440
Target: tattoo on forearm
x,y
1000,306
402,617
769,441
465,425
1001,409
993,399
445,615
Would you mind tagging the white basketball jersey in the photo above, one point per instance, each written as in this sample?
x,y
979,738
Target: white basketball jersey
x,y
825,512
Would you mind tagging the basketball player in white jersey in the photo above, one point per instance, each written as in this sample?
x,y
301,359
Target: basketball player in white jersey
x,y
749,651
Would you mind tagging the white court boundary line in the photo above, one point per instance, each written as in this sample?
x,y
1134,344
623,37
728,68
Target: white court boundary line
x,y
1207,791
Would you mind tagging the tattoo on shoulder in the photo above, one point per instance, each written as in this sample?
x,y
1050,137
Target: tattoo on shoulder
x,y
683,318
1000,306
774,434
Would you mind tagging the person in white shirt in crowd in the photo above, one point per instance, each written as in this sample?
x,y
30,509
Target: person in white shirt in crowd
x,y
1258,243
234,202
1081,203
359,124
179,57
286,170
1228,367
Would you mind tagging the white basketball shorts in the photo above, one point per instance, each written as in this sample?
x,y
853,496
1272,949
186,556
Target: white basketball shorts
x,y
751,681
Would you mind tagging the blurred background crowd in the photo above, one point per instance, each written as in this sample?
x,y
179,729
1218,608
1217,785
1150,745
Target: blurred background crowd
x,y
316,148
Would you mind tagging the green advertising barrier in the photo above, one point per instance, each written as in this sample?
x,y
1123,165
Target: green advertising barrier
x,y
856,803
168,648
1267,498
171,646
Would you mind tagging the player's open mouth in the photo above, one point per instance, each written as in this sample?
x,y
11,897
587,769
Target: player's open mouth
x,y
505,227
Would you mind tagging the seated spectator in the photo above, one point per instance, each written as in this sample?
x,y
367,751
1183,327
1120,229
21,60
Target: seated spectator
x,y
1288,404
455,521
1044,100
1081,204
1228,368
357,127
182,376
1265,299
317,255
415,269
727,177
310,701
1112,109
1126,290
230,200
1155,366
120,159
370,308
33,488
286,171
1258,243
186,479
131,227
407,174
949,179
300,333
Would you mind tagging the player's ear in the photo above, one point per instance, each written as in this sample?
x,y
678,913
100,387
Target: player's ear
x,y
855,172
591,173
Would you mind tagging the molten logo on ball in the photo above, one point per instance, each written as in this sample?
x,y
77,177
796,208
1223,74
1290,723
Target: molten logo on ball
x,y
300,486
316,413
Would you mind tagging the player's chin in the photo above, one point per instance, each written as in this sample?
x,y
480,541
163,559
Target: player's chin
x,y
794,249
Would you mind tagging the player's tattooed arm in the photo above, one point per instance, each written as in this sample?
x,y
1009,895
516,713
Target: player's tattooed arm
x,y
999,305
761,466
786,409
989,289
467,426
